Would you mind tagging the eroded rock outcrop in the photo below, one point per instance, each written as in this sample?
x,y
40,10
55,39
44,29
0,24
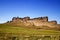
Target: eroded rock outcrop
x,y
40,22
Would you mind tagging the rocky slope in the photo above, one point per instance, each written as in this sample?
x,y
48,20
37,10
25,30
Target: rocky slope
x,y
37,23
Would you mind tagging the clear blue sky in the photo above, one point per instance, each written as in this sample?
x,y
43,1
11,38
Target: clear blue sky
x,y
32,8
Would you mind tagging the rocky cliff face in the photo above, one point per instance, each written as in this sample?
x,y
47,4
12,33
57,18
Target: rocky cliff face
x,y
40,22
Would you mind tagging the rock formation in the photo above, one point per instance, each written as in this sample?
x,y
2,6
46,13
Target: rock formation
x,y
39,22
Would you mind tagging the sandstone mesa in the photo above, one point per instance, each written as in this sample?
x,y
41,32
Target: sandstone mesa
x,y
39,23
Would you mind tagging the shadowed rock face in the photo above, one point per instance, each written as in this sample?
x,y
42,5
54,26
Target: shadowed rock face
x,y
39,22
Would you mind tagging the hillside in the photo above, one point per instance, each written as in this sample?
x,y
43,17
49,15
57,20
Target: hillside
x,y
35,23
23,30
18,29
